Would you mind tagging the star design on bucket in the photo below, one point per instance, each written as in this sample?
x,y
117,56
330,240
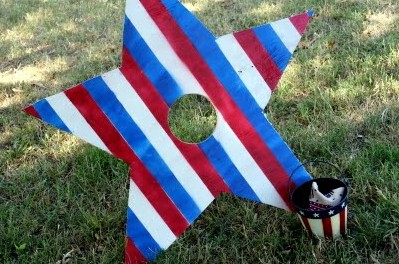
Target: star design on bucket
x,y
331,212
168,53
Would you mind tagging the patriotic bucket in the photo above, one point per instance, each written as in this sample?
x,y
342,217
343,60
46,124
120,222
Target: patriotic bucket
x,y
322,203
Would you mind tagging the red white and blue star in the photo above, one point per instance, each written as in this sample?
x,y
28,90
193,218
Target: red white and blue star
x,y
167,53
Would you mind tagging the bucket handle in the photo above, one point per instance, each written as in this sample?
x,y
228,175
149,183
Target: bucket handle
x,y
344,179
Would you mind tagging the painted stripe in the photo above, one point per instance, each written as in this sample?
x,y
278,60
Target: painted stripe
x,y
300,21
48,115
335,224
154,132
327,227
74,120
142,238
287,33
149,63
143,148
221,160
274,46
316,225
85,104
247,166
343,216
158,198
217,93
30,110
149,217
159,109
132,254
259,56
280,151
241,63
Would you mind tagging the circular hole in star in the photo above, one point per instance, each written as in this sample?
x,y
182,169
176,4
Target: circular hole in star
x,y
192,118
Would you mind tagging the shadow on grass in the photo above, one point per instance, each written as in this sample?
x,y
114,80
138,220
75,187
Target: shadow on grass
x,y
71,201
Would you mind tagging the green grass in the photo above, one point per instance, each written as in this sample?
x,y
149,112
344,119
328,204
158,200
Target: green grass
x,y
338,100
192,118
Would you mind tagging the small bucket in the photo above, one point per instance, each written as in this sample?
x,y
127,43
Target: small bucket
x,y
324,223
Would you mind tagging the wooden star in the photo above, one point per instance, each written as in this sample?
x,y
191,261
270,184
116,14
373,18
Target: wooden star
x,y
168,53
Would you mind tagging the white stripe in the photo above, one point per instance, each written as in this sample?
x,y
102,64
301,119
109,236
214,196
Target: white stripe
x,y
335,224
160,46
287,32
149,217
159,139
316,225
245,69
246,165
72,118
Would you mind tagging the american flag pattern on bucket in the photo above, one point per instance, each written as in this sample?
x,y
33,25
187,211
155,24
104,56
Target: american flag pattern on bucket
x,y
167,53
327,223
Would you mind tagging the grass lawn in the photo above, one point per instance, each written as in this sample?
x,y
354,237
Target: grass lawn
x,y
338,100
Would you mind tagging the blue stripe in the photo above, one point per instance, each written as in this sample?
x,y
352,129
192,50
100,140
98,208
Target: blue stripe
x,y
48,115
279,148
225,167
205,43
136,139
149,63
141,237
274,46
168,3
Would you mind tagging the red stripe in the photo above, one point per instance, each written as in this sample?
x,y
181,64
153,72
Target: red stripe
x,y
343,221
220,98
159,199
159,109
118,146
30,110
132,254
82,100
327,227
306,223
259,56
300,22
